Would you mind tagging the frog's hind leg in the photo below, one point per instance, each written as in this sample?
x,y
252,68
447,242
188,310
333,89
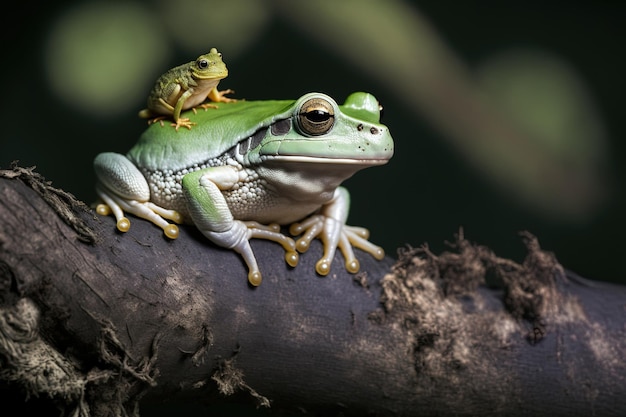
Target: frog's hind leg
x,y
272,232
211,214
152,117
145,210
123,188
238,236
158,119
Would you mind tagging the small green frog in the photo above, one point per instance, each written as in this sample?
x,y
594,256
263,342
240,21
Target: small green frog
x,y
185,87
249,167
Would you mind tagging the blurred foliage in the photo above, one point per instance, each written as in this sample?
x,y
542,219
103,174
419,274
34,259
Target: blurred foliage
x,y
505,118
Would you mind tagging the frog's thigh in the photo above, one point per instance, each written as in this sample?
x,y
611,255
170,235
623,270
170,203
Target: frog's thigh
x,y
124,188
166,107
210,213
121,176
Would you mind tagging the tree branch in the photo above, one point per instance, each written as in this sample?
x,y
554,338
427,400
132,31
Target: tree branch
x,y
99,323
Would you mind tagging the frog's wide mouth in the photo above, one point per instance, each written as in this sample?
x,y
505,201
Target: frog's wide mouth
x,y
331,153
213,76
324,160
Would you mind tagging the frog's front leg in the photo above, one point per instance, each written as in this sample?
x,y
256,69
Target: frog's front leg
x,y
330,226
210,213
178,107
220,96
123,188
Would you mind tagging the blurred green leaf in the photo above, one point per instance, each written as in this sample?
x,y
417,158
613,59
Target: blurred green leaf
x,y
97,52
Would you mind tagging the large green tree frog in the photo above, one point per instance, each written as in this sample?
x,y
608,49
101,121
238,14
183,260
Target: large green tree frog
x,y
249,167
185,87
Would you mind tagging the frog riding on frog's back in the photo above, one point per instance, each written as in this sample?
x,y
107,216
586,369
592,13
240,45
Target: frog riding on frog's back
x,y
250,167
185,87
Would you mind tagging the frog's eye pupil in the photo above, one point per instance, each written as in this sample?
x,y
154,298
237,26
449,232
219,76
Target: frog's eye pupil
x,y
316,117
203,63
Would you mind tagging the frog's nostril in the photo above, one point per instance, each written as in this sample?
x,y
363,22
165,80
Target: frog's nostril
x,y
373,131
359,127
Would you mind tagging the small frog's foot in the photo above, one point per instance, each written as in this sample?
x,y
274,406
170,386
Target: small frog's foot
x,y
334,235
183,121
158,119
145,210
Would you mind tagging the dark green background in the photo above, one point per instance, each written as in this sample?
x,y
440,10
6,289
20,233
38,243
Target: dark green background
x,y
428,190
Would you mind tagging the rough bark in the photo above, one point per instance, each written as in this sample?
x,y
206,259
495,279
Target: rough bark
x,y
94,322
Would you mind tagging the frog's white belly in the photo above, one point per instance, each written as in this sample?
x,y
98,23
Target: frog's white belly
x,y
249,199
200,93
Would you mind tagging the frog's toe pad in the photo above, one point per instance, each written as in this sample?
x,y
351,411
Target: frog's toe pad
x,y
292,258
302,245
322,267
123,224
353,266
103,209
255,278
171,231
378,254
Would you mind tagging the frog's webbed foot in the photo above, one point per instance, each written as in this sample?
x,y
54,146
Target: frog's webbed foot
x,y
238,238
183,121
333,235
146,210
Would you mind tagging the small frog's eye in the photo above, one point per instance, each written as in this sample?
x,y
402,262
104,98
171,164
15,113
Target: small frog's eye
x,y
316,117
202,63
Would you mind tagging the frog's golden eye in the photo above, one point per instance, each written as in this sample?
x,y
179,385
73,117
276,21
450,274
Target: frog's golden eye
x,y
202,63
316,117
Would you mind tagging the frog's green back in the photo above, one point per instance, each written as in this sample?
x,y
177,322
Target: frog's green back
x,y
217,130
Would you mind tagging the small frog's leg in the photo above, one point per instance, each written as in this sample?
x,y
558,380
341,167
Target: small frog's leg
x,y
123,188
210,213
220,96
329,226
152,118
177,109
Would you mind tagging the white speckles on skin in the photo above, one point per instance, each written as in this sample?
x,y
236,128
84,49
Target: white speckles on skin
x,y
244,199
232,162
165,185
248,196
